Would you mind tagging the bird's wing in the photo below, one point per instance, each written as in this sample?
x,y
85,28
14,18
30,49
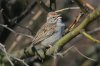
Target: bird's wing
x,y
45,31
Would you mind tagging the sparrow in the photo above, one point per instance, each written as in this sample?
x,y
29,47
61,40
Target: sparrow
x,y
51,31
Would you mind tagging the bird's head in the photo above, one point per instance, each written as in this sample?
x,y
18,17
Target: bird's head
x,y
52,17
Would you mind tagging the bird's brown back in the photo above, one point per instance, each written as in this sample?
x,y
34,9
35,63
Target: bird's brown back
x,y
45,31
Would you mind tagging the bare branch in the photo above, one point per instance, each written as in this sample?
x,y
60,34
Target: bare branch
x,y
69,8
2,47
72,25
84,55
94,30
5,26
90,18
73,47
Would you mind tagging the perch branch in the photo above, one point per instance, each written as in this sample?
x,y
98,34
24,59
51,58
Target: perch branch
x,y
90,18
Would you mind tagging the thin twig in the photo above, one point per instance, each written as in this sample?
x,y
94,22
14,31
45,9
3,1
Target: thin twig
x,y
84,55
2,47
72,25
5,26
66,51
82,6
73,47
22,61
44,5
94,30
89,6
69,8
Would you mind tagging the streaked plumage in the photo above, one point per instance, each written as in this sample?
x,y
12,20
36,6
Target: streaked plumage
x,y
51,31
45,31
59,31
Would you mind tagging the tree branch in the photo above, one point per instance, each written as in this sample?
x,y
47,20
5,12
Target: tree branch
x,y
90,18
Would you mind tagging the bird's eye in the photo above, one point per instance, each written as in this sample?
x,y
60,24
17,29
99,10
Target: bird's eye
x,y
53,17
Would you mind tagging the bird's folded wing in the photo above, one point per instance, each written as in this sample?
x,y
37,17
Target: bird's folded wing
x,y
45,31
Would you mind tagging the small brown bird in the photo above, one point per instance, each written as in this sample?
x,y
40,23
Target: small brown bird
x,y
49,29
